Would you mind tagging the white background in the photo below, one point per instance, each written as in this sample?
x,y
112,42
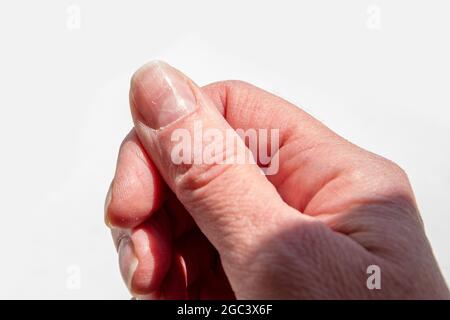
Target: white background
x,y
377,72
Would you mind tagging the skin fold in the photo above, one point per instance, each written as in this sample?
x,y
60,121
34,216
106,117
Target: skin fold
x,y
225,231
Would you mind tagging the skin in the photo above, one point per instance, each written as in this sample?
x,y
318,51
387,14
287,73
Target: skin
x,y
224,231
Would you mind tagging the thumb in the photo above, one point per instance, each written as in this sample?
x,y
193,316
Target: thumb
x,y
203,160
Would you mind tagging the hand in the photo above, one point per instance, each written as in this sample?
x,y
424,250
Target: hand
x,y
215,230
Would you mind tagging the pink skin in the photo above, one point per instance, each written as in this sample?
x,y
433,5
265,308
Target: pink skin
x,y
226,231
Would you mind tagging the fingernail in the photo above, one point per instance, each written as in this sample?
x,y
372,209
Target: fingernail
x,y
127,260
150,296
161,94
107,203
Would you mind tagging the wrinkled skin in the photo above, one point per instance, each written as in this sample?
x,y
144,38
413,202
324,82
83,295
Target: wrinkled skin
x,y
223,231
